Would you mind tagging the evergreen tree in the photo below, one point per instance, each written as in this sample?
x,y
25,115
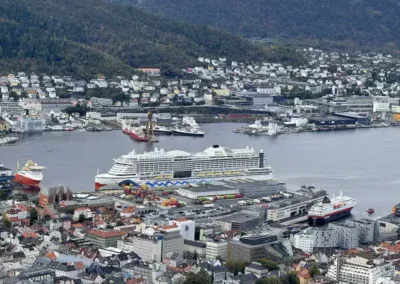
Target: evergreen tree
x,y
33,216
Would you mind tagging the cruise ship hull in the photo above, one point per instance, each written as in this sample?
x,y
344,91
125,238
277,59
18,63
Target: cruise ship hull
x,y
27,180
188,133
107,181
321,220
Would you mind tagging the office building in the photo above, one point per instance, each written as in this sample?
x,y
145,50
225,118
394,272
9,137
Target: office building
x,y
335,235
348,235
104,238
171,239
239,221
214,249
250,248
368,230
148,248
198,248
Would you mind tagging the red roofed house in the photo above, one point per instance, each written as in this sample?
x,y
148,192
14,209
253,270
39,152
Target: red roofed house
x,y
127,212
51,255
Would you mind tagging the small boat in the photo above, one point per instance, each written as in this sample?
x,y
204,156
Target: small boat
x,y
370,211
8,140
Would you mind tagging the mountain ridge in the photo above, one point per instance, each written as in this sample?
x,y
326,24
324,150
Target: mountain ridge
x,y
88,37
355,22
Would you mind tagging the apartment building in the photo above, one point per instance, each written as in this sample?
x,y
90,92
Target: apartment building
x,y
360,269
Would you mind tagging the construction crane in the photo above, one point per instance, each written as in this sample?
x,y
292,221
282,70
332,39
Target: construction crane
x,y
149,134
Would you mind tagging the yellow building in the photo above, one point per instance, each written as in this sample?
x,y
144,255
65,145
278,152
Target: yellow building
x,y
396,117
222,92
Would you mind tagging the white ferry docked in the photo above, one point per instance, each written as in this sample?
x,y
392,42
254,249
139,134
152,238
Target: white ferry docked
x,y
330,209
161,168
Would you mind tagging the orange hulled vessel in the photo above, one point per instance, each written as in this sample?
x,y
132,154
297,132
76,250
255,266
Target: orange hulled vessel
x,y
30,175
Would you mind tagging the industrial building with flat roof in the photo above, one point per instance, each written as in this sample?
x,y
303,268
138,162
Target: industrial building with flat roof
x,y
290,208
359,118
206,190
239,221
246,186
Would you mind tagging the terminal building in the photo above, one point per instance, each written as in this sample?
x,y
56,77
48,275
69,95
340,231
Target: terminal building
x,y
291,208
245,186
210,190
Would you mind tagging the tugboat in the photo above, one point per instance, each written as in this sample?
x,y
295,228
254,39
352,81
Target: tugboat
x,y
371,211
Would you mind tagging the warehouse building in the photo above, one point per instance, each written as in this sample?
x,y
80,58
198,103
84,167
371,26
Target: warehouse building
x,y
291,208
209,190
239,221
332,122
359,118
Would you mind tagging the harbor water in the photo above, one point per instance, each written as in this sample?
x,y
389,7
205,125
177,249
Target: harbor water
x,y
363,163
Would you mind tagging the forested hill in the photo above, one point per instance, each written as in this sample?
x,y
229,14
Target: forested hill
x,y
84,37
358,22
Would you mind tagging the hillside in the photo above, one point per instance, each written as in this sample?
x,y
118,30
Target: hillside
x,y
87,37
353,22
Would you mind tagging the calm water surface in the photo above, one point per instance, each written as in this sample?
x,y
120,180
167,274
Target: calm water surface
x,y
364,164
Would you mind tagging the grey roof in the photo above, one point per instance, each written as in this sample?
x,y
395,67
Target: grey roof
x,y
248,279
194,244
238,218
18,254
71,258
218,268
256,266
42,261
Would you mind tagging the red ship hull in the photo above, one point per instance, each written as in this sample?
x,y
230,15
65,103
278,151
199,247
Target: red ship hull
x,y
136,137
98,185
126,131
26,181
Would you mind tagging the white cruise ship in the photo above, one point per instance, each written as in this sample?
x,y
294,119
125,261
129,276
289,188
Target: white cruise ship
x,y
330,209
161,168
